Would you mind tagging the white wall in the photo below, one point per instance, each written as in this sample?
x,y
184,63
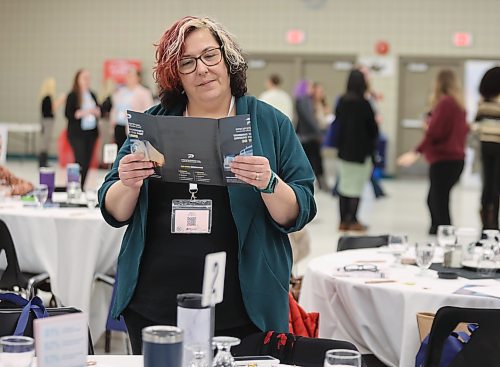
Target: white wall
x,y
39,38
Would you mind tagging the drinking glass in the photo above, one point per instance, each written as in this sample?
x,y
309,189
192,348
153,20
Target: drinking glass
x,y
397,244
91,196
41,194
424,253
16,351
198,355
492,235
446,237
223,358
486,264
342,358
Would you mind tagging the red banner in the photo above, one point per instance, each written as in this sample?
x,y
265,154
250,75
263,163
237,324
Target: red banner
x,y
116,69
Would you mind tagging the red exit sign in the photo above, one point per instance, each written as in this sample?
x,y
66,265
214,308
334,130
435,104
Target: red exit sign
x,y
462,39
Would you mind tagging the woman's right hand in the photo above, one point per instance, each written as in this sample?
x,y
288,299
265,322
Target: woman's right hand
x,y
408,158
132,170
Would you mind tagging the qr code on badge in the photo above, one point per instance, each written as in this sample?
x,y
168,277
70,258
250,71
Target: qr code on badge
x,y
191,221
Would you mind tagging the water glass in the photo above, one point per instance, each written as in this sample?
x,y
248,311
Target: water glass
x,y
424,253
446,237
342,358
41,194
16,351
486,264
73,190
197,355
91,196
492,235
398,245
223,358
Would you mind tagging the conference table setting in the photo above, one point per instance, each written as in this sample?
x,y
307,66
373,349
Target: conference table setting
x,y
72,243
371,296
111,361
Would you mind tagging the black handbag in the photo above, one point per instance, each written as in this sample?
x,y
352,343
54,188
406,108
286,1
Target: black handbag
x,y
17,315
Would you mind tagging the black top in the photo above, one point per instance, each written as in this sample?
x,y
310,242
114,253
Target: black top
x,y
106,106
47,112
174,263
74,125
358,131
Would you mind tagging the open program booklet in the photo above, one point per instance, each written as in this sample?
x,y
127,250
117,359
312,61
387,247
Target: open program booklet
x,y
191,149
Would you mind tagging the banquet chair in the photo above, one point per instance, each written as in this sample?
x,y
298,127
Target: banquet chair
x,y
289,348
111,323
483,348
12,278
9,315
360,242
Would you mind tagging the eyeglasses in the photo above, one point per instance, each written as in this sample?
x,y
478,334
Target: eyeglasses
x,y
210,57
361,267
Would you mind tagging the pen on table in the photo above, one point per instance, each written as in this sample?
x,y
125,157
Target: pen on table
x,y
369,261
380,281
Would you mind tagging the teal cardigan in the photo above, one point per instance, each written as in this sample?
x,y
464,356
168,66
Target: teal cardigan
x,y
264,256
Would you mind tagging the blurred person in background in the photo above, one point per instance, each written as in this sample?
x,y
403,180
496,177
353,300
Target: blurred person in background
x,y
201,72
132,96
308,129
49,104
82,112
321,109
379,162
277,97
443,146
107,90
357,137
10,184
488,126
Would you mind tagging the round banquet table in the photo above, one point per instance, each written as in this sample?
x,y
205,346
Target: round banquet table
x,y
380,318
71,245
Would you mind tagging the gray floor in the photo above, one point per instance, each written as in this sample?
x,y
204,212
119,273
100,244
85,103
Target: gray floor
x,y
403,210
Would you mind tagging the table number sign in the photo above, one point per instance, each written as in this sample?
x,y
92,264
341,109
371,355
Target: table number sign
x,y
61,341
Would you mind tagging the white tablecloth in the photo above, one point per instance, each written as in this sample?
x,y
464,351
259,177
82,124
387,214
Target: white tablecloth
x,y
122,361
71,245
113,361
379,318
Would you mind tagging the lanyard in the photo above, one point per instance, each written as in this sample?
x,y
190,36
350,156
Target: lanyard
x,y
193,188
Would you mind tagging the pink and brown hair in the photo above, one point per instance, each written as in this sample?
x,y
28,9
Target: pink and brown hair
x,y
170,48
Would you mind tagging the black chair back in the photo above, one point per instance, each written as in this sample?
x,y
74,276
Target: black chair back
x,y
288,348
9,315
483,348
12,276
359,242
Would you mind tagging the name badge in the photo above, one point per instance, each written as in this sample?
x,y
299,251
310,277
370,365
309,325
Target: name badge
x,y
191,216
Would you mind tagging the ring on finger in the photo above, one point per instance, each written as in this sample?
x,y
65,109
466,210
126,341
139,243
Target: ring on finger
x,y
257,176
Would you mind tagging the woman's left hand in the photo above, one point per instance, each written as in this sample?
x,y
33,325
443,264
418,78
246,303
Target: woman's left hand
x,y
254,170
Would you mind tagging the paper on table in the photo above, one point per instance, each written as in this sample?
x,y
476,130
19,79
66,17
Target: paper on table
x,y
490,290
359,274
479,290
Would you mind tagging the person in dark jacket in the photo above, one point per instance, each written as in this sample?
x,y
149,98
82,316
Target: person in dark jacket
x,y
82,112
488,126
49,105
357,136
443,146
202,73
